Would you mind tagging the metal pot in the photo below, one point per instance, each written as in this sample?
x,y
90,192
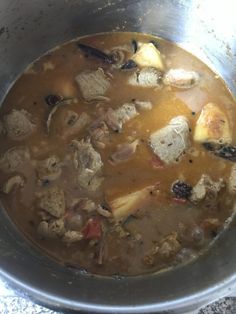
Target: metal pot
x,y
27,30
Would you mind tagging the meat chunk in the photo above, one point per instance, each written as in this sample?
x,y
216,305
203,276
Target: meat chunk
x,y
212,126
99,133
148,56
146,77
166,249
52,201
112,119
72,236
232,180
88,162
49,169
124,152
181,78
95,183
93,84
150,256
126,205
52,229
143,105
74,123
18,124
14,158
126,112
170,142
84,204
169,246
116,118
73,221
206,189
12,183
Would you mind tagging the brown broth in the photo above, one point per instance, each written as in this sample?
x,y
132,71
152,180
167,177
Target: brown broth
x,y
54,73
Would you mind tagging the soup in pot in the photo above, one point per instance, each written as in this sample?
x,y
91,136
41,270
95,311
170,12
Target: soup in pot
x,y
117,154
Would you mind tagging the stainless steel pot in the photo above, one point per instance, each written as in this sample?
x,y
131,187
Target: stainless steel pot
x,y
28,29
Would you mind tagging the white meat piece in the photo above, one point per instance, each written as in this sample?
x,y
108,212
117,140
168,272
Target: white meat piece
x,y
51,229
18,124
12,183
89,163
169,246
84,204
116,118
49,169
126,112
99,133
74,222
124,152
72,236
170,142
206,189
146,77
112,121
93,84
14,158
181,78
52,201
232,180
143,105
74,123
148,56
95,183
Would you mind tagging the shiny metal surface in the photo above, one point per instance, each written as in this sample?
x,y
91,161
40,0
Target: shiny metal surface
x,y
30,28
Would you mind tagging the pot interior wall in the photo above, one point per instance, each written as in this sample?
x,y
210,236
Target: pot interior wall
x,y
30,28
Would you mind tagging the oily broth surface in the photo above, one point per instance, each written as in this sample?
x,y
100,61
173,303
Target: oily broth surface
x,y
54,73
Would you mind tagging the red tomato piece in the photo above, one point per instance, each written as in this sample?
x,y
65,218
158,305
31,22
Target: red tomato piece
x,y
92,229
157,163
179,200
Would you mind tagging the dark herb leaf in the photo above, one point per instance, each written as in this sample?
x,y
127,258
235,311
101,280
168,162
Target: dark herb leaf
x,y
52,100
94,52
134,45
128,65
209,146
223,151
227,152
155,43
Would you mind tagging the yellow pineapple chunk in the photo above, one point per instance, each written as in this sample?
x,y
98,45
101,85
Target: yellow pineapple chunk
x,y
148,56
126,205
212,126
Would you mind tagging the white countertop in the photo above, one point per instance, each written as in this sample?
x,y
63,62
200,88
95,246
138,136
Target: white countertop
x,y
10,303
